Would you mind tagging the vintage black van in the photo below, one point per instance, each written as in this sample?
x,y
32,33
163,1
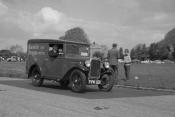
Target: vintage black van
x,y
68,63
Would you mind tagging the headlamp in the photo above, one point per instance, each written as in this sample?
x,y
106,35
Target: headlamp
x,y
106,65
87,63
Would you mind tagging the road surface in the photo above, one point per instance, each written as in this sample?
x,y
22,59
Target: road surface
x,y
18,98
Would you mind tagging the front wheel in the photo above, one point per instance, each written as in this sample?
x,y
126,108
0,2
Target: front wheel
x,y
107,82
78,81
36,77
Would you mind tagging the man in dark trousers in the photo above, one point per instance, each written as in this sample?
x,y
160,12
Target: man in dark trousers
x,y
113,56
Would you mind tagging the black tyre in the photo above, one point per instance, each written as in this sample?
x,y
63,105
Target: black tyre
x,y
107,82
36,77
77,81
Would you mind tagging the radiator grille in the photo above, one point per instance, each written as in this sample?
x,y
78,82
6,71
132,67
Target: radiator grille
x,y
95,68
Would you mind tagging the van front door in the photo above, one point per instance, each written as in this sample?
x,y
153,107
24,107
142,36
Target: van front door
x,y
55,61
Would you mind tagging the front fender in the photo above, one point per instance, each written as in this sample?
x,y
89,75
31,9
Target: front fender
x,y
83,68
109,71
80,67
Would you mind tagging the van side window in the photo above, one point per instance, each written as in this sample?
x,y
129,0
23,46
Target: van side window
x,y
56,48
72,49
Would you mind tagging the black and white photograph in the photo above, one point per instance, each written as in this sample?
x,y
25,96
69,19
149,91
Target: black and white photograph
x,y
87,58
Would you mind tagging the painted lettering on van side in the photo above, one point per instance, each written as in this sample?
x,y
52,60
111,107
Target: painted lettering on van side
x,y
35,49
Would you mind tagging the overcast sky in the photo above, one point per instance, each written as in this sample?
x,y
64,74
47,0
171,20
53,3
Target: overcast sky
x,y
126,22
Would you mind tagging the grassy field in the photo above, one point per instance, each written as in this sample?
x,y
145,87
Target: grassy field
x,y
12,69
149,75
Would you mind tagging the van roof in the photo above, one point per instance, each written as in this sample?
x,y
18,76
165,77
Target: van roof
x,y
47,40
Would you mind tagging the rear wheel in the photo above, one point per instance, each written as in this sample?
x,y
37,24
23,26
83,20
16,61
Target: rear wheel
x,y
36,77
78,81
107,82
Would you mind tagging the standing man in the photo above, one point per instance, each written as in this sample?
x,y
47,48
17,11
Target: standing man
x,y
113,56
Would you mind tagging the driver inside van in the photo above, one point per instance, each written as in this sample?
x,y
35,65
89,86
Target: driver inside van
x,y
53,50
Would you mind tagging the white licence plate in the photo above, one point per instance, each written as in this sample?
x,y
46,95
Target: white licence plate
x,y
94,82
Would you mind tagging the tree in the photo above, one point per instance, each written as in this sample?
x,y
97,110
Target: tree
x,y
121,53
76,34
98,54
157,51
144,52
163,53
16,49
140,52
173,53
154,51
132,54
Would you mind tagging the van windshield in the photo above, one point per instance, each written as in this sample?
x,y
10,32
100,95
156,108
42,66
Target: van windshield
x,y
80,50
